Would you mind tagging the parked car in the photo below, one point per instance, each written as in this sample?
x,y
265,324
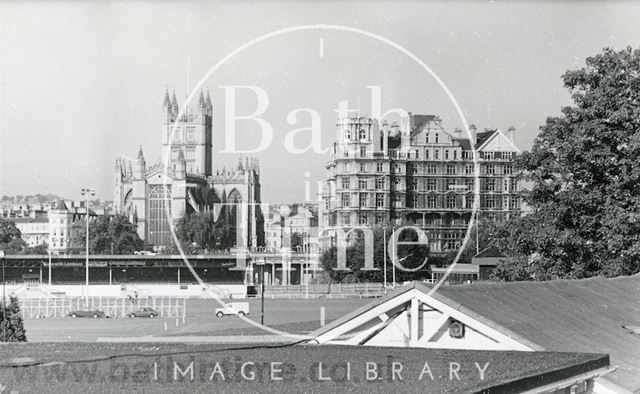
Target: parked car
x,y
252,291
144,312
95,313
233,308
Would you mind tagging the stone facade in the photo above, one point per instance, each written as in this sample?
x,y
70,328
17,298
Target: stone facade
x,y
156,196
417,173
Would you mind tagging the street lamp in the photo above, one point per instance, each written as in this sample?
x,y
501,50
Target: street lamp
x,y
86,193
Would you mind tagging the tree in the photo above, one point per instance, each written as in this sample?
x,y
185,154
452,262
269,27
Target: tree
x,y
41,249
411,256
109,234
11,241
201,229
11,325
585,176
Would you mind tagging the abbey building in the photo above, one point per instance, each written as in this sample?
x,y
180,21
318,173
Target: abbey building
x,y
184,181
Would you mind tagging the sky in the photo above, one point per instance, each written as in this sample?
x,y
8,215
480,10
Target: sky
x,y
82,83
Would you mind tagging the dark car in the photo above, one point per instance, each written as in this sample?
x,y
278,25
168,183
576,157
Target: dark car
x,y
95,313
144,312
252,291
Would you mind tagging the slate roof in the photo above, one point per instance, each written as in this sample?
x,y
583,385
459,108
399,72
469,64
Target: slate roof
x,y
482,137
586,315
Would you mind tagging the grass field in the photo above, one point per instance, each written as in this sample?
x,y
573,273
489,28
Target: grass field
x,y
295,316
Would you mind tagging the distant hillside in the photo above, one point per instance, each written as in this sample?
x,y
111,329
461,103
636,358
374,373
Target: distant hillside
x,y
31,199
48,198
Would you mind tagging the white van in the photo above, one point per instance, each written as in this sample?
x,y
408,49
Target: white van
x,y
233,308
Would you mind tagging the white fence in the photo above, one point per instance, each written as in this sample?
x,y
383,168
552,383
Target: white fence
x,y
115,307
334,290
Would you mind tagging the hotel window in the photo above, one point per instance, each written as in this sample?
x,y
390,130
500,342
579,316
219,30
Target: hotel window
x,y
379,200
446,154
379,218
363,151
345,183
362,184
415,201
468,169
426,153
437,138
436,154
489,155
414,168
432,185
450,184
431,169
379,167
468,201
363,219
505,184
379,183
490,169
455,155
414,185
490,185
490,202
346,219
363,167
508,170
399,168
451,201
345,200
417,154
470,183
431,201
363,134
514,185
451,169
364,199
514,202
347,134
345,167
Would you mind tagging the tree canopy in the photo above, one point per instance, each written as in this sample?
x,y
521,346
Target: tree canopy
x,y
11,241
110,234
199,231
585,180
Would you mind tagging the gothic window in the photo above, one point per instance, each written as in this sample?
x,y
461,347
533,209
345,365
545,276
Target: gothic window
x,y
159,214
